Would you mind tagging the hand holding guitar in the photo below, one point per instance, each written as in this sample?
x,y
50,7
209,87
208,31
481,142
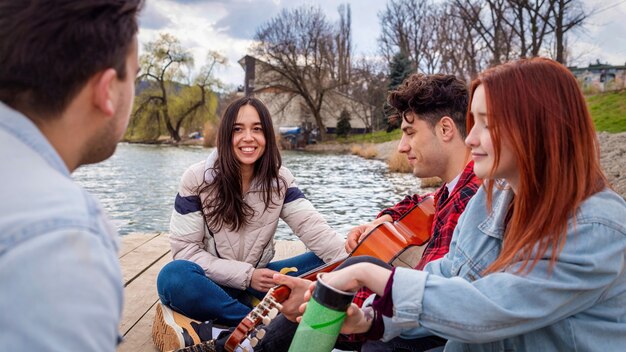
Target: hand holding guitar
x,y
262,279
354,236
290,308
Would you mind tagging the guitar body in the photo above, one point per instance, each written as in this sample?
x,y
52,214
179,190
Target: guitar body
x,y
389,240
386,242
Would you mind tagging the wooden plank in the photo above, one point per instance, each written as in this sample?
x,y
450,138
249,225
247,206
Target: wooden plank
x,y
133,240
142,257
140,295
139,338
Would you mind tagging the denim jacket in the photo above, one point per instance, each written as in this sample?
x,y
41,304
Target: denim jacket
x,y
579,306
59,272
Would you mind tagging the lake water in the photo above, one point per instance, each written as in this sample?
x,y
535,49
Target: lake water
x,y
138,184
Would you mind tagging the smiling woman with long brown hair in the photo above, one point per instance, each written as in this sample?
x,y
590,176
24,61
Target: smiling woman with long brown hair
x,y
538,259
223,225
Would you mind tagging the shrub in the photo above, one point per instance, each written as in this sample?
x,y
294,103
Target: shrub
x,y
343,124
398,162
367,151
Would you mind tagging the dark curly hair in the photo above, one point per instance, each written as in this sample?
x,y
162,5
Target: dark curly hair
x,y
431,97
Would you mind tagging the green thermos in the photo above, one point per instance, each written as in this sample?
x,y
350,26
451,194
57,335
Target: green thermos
x,y
322,320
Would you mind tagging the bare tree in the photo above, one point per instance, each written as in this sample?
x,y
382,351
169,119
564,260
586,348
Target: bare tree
x,y
488,20
394,36
344,45
464,37
299,56
529,21
368,90
408,27
523,28
461,54
566,15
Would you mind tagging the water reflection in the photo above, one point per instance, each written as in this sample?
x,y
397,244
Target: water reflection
x,y
138,184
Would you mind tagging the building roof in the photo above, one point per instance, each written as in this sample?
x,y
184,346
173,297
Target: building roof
x,y
598,66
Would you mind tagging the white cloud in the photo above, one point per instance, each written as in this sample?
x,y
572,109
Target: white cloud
x,y
604,36
228,26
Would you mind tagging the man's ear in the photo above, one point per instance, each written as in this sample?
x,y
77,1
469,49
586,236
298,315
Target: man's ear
x,y
103,93
447,128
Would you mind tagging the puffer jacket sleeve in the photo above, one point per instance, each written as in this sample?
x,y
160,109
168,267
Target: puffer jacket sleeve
x,y
187,235
308,224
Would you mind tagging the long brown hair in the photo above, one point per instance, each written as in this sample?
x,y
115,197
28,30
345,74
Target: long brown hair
x,y
537,105
224,204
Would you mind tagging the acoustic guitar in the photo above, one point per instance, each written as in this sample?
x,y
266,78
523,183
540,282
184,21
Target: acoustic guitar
x,y
387,242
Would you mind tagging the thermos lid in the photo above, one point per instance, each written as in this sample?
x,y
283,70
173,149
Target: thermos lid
x,y
331,297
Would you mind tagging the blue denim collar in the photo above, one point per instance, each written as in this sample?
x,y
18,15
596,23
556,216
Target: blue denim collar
x,y
495,222
27,132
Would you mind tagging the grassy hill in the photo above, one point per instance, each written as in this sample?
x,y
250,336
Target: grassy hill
x,y
374,137
608,111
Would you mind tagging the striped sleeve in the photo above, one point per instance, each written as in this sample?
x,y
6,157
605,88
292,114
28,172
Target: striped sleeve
x,y
187,235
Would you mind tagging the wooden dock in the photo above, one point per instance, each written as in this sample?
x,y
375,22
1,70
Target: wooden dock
x,y
142,256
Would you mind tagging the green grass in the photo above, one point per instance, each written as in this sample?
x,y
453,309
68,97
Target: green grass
x,y
608,111
374,137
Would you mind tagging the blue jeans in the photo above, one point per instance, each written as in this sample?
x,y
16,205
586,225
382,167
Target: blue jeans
x,y
183,286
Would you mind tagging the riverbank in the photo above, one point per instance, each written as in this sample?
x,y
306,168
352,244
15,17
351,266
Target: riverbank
x,y
612,155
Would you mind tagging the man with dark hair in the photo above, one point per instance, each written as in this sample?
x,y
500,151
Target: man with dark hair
x,y
433,111
66,92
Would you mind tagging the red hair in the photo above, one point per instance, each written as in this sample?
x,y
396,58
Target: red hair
x,y
537,105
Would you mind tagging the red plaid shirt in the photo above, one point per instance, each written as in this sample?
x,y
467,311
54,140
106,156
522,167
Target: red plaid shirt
x,y
447,213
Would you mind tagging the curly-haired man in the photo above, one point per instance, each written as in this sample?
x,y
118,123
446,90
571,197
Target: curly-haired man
x,y
433,110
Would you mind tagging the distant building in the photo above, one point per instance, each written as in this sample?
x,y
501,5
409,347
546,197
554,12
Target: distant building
x,y
600,77
289,112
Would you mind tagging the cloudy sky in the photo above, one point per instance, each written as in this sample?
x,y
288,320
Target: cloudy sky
x,y
228,27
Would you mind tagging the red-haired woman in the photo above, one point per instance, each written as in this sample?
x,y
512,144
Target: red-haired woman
x,y
538,259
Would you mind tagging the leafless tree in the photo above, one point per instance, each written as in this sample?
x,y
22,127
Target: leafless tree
x,y
461,54
300,51
488,20
524,28
368,90
394,36
343,39
529,21
566,15
408,27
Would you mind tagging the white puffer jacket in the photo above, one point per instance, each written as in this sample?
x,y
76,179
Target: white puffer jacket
x,y
229,257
